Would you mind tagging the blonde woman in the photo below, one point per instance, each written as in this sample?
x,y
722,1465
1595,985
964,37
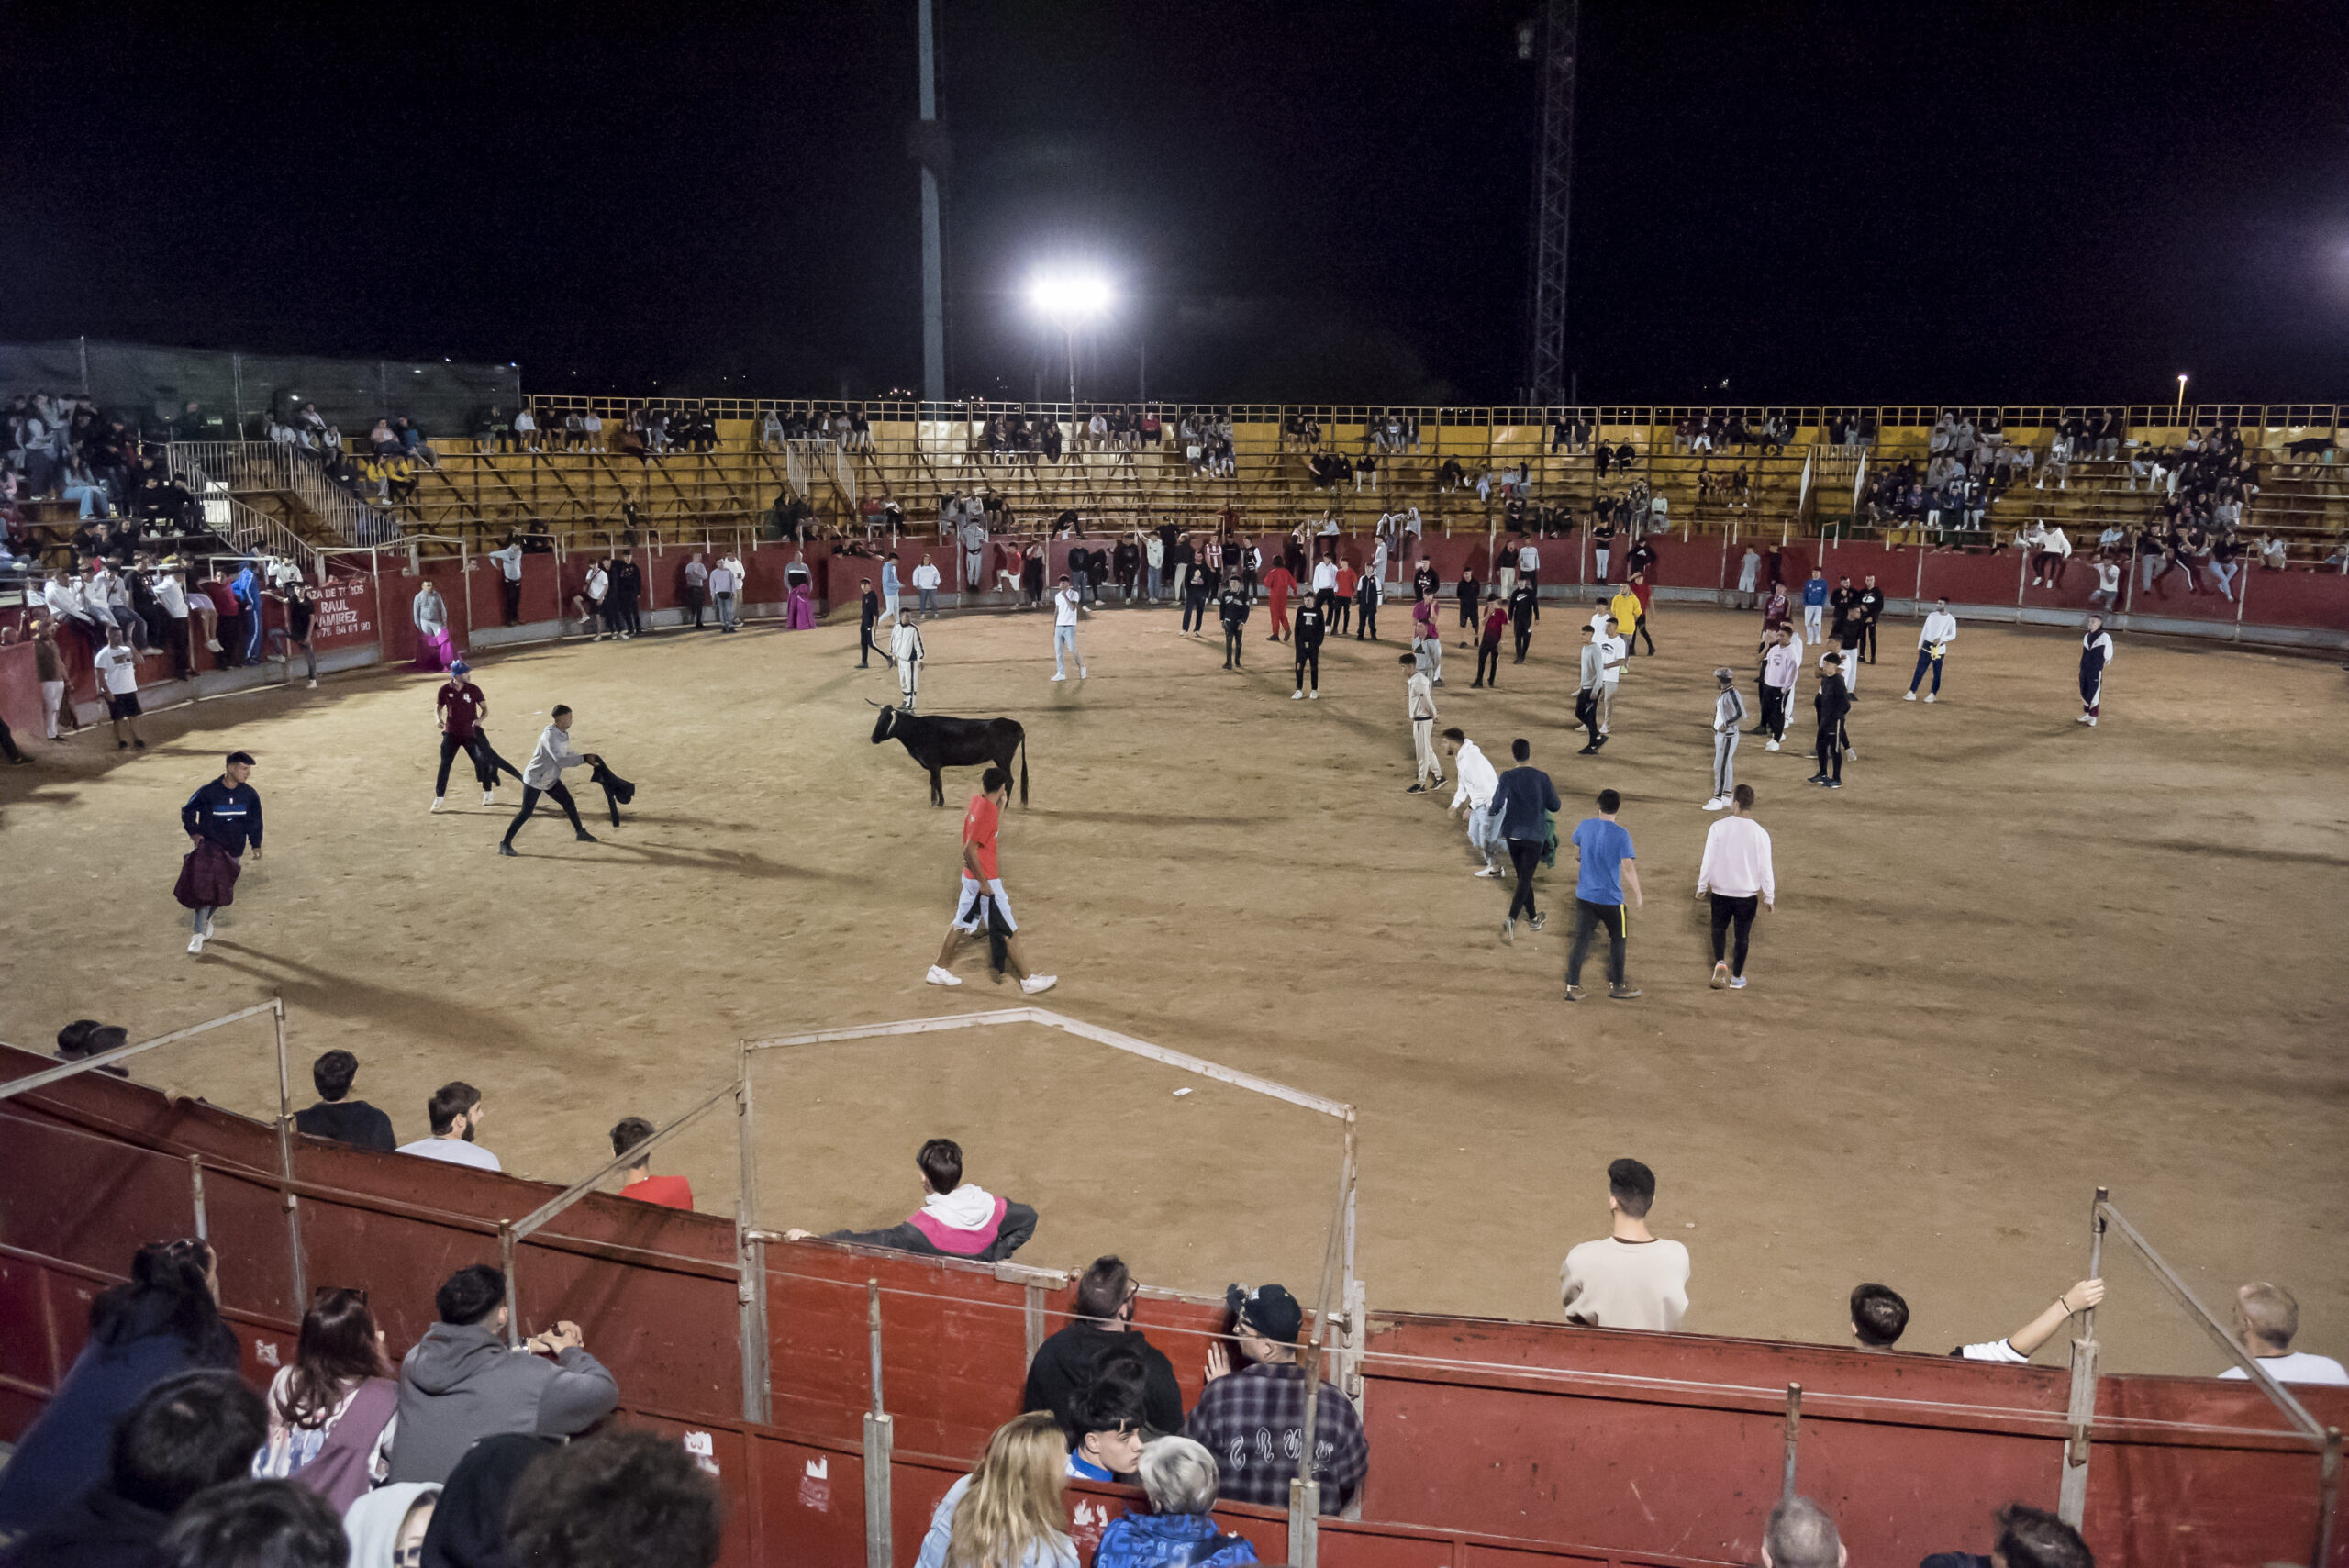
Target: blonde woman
x,y
1007,1512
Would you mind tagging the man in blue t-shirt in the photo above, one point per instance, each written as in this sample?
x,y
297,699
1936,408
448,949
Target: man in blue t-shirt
x,y
1604,847
1814,605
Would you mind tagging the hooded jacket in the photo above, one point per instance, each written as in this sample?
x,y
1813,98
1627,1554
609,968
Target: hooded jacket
x,y
969,1222
461,1383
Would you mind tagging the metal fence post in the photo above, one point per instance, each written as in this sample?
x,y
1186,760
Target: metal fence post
x,y
513,1285
1794,1440
1304,1522
2328,1500
2072,1500
298,1264
750,1256
877,1445
196,1190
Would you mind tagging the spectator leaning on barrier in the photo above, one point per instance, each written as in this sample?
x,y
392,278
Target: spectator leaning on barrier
x,y
2017,1347
1103,1331
1179,1531
331,1412
1630,1279
1252,1418
957,1219
354,1122
189,1432
2028,1537
1879,1316
456,1111
1015,1516
2266,1317
638,1181
164,1321
460,1383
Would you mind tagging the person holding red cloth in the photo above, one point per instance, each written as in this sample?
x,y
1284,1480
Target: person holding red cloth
x,y
1279,584
1488,645
1646,596
219,819
638,1181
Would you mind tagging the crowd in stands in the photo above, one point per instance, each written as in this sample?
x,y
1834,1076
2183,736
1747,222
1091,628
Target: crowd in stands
x,y
124,493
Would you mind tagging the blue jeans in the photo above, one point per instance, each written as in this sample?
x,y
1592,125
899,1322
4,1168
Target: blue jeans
x,y
1064,642
1151,581
929,601
1924,658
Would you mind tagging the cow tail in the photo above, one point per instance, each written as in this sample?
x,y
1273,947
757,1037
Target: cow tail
x,y
1023,770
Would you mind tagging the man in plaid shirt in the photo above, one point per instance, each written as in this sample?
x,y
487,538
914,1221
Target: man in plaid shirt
x,y
1251,1420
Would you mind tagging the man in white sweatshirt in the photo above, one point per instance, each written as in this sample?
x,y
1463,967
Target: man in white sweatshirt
x,y
1933,645
1781,668
543,776
1478,779
1736,875
905,647
1629,1279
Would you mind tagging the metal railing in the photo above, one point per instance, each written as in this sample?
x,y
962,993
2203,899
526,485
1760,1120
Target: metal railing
x,y
247,529
266,465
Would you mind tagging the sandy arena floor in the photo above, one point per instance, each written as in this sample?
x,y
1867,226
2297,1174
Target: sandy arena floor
x,y
2012,959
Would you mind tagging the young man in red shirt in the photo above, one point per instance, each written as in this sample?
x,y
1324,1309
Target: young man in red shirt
x,y
984,905
638,1181
1278,586
1342,607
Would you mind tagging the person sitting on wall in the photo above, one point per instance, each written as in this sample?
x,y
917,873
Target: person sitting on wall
x,y
957,1219
354,1122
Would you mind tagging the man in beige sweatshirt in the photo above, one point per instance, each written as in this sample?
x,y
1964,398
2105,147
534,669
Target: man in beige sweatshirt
x,y
1627,1280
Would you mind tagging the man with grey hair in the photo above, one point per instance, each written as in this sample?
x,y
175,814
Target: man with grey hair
x,y
1801,1535
2266,1317
1180,1477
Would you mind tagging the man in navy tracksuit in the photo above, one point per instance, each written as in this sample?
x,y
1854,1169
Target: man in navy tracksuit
x,y
219,819
1522,801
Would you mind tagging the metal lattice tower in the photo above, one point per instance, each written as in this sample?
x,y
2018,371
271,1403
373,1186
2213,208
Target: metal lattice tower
x,y
1553,169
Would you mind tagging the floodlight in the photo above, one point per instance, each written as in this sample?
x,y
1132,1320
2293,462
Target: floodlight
x,y
1068,298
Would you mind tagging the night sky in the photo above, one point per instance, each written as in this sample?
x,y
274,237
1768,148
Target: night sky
x,y
1898,202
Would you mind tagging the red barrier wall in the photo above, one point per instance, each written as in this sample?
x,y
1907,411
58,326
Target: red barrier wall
x,y
1486,1437
2298,599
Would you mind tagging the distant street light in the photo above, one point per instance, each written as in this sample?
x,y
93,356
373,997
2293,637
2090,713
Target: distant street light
x,y
2181,392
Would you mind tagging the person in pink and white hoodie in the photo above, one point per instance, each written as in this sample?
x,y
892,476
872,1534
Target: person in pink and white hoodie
x,y
957,1219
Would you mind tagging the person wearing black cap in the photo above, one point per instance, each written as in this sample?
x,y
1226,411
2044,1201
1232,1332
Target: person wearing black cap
x,y
220,820
1833,701
1252,1418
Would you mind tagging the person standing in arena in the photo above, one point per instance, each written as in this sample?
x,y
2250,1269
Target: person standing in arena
x,y
1194,591
1066,603
905,647
1603,847
1781,667
868,615
1932,647
459,709
627,594
1231,607
1306,643
892,592
2095,657
117,669
222,819
925,581
1523,798
1522,612
1488,645
1418,707
1278,586
1368,590
984,905
1478,782
1831,703
544,777
1728,712
1814,605
1871,611
1737,876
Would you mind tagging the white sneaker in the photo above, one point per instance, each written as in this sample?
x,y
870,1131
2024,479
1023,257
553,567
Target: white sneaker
x,y
1060,677
1490,870
313,686
489,797
1910,698
1036,985
1771,746
1933,697
938,976
1297,697
1737,983
1081,672
1717,803
196,942
436,802
2091,723
213,643
1313,697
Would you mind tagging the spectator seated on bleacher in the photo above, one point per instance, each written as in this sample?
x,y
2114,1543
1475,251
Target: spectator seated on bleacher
x,y
455,1111
338,1117
957,1219
185,1433
638,1181
164,1321
461,1384
1241,1407
1179,1476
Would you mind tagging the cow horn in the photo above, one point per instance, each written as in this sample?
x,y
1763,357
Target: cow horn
x,y
870,703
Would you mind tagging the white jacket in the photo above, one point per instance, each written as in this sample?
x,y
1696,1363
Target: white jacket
x,y
1477,777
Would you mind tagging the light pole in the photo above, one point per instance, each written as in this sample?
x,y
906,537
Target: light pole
x,y
2181,394
1070,300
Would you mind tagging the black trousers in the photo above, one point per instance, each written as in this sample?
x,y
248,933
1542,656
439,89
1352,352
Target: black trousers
x,y
864,644
1774,711
1639,630
555,792
1525,854
1829,748
1738,912
513,592
1308,660
1589,918
1524,640
1868,641
483,755
693,597
1489,653
625,615
1195,612
1369,620
1339,612
8,744
1587,712
1230,646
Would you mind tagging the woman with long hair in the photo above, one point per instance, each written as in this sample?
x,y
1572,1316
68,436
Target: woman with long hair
x,y
330,1414
1007,1512
164,1320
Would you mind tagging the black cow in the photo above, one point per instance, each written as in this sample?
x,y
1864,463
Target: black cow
x,y
936,742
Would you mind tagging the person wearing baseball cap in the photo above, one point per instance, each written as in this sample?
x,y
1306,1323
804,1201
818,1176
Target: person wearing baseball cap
x,y
1265,1399
461,708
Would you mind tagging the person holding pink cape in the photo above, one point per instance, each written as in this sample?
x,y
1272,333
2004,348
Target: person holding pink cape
x,y
800,613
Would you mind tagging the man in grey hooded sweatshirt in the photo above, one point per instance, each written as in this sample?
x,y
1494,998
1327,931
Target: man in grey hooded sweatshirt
x,y
462,1383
